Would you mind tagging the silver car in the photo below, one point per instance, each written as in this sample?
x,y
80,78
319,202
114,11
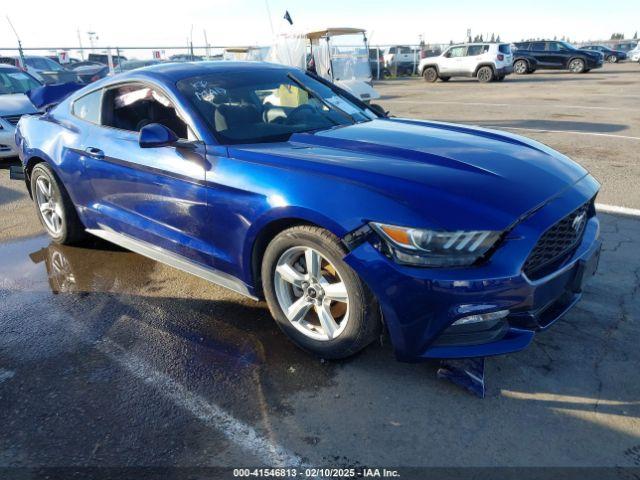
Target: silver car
x,y
13,104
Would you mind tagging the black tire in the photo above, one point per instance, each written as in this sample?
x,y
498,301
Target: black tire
x,y
72,231
521,67
445,79
576,65
430,74
612,59
364,322
485,74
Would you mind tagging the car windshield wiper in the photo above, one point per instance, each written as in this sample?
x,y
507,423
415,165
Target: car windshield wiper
x,y
311,92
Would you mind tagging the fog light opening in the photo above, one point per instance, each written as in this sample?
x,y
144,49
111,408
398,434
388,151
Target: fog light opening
x,y
482,317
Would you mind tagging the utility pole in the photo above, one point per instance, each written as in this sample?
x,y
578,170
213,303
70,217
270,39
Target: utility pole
x,y
273,33
191,42
206,44
20,52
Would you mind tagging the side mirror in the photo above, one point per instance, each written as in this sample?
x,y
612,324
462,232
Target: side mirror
x,y
156,135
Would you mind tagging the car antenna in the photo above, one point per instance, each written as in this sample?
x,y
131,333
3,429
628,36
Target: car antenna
x,y
20,52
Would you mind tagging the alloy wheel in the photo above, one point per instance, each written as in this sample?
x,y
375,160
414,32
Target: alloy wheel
x,y
49,206
311,293
576,66
520,67
485,74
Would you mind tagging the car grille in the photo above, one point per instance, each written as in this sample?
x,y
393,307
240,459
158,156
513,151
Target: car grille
x,y
12,119
556,243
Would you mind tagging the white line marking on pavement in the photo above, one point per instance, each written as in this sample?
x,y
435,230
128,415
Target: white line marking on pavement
x,y
633,212
6,374
507,105
573,132
209,413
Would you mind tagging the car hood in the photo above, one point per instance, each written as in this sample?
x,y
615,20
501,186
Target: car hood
x,y
15,104
590,53
443,171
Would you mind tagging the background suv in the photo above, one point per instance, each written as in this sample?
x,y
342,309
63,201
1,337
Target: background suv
x,y
556,55
485,61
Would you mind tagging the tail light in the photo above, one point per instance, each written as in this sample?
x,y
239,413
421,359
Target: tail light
x,y
500,57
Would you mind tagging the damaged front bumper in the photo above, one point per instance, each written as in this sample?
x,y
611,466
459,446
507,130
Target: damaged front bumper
x,y
420,305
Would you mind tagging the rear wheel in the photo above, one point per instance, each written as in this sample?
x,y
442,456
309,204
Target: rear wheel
x,y
485,74
612,59
521,67
317,300
577,65
430,74
54,207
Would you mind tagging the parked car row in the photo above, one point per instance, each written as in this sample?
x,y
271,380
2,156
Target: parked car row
x,y
494,61
13,104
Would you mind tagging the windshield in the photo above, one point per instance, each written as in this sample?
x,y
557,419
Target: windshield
x,y
349,57
254,106
41,63
16,82
568,46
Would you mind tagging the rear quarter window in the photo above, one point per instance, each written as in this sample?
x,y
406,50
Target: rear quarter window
x,y
88,107
506,49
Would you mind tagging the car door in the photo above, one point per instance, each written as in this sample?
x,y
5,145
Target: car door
x,y
557,55
452,61
538,51
474,56
150,195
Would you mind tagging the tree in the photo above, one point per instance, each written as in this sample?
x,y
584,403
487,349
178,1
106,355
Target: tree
x,y
635,36
493,38
498,39
617,36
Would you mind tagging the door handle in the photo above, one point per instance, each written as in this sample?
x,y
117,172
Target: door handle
x,y
94,152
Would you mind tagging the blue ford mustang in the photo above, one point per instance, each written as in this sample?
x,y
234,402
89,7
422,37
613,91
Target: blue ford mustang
x,y
460,241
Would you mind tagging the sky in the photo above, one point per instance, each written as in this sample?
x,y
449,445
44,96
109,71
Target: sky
x,y
246,22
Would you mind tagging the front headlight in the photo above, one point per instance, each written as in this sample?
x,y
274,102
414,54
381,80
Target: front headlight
x,y
435,248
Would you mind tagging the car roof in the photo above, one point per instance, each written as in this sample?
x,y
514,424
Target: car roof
x,y
175,71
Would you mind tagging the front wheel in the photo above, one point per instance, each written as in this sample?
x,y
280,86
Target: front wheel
x,y
317,300
577,65
485,74
430,74
612,59
54,207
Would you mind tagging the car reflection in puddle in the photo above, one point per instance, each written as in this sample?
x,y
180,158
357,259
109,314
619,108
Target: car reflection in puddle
x,y
184,326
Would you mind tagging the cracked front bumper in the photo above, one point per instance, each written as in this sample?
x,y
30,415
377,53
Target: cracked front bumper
x,y
419,305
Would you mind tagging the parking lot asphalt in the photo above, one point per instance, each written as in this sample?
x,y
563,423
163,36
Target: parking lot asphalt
x,y
110,359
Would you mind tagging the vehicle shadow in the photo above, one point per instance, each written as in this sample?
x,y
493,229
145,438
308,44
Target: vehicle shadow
x,y
8,195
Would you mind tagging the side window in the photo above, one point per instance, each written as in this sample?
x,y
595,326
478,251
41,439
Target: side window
x,y
455,52
538,46
87,108
392,50
133,106
474,50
